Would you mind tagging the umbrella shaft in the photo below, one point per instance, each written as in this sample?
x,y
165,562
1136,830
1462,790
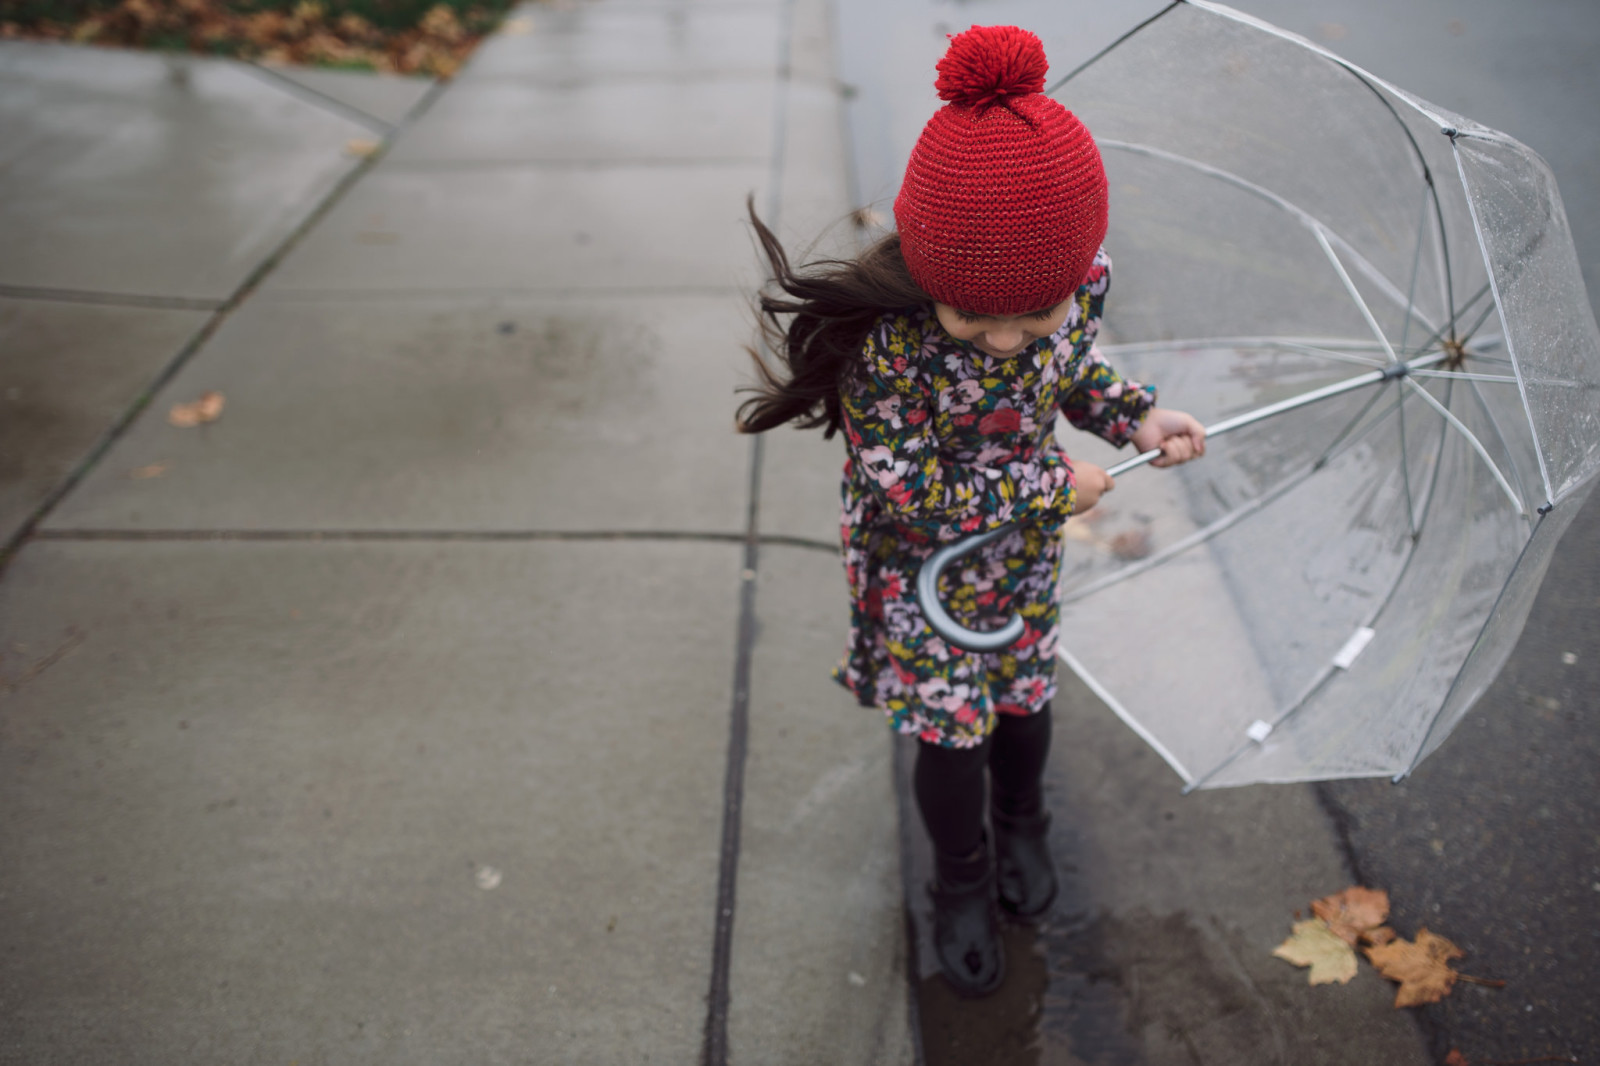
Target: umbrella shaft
x,y
1227,425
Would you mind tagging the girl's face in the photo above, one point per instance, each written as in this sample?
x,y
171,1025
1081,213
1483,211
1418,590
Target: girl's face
x,y
1001,336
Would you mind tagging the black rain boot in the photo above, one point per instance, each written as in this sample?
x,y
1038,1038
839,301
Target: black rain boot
x,y
966,930
1025,874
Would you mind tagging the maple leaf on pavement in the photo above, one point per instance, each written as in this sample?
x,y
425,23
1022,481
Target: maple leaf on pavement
x,y
1422,968
1353,912
1313,944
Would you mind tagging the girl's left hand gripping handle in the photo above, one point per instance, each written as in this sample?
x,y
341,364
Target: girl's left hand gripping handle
x,y
939,620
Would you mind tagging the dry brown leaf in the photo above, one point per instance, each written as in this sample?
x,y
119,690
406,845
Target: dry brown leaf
x,y
1353,911
1313,944
1456,1058
1422,968
1381,935
1131,544
441,22
362,147
208,408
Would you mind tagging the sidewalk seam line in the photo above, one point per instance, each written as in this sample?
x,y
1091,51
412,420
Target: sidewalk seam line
x,y
12,543
111,299
715,1050
319,99
776,540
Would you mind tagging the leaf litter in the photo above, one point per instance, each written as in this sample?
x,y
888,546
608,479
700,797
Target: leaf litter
x,y
386,36
1355,917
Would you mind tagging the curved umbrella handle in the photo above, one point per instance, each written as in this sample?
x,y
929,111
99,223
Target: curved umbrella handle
x,y
939,620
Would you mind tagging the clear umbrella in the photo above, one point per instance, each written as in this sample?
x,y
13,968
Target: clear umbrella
x,y
1379,303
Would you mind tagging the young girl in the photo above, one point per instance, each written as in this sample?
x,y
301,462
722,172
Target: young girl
x,y
944,352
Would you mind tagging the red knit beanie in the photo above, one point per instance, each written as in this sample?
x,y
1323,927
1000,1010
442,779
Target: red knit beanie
x,y
1004,201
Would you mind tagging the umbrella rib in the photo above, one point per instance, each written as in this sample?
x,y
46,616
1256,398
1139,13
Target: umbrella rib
x,y
1462,375
1416,262
1122,712
1304,217
1317,681
1494,424
1505,326
1355,294
1477,445
1092,60
1322,346
1405,468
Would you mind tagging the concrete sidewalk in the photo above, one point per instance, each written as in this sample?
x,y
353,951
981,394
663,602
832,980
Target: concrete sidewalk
x,y
391,716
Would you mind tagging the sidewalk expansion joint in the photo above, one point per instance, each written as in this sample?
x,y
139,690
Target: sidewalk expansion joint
x,y
111,299
317,98
448,166
715,1049
597,292
485,536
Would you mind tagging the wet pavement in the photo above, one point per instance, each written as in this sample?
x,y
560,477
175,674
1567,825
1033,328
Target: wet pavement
x,y
460,695
395,715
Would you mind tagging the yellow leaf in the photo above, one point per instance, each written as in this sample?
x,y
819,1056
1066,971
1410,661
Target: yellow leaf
x,y
1313,944
361,147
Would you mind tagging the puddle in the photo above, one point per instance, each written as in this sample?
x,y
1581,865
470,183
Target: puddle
x,y
1097,985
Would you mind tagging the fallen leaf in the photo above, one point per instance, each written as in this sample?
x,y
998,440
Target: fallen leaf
x,y
1313,944
362,147
1381,935
208,408
1131,544
1456,1058
1422,968
140,473
1352,912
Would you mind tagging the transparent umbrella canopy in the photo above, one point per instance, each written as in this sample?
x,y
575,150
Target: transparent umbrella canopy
x,y
1379,304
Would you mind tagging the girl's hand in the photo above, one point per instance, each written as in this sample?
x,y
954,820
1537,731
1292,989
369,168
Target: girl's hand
x,y
1091,483
1180,436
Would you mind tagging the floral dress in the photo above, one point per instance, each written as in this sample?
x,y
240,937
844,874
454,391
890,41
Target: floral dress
x,y
945,441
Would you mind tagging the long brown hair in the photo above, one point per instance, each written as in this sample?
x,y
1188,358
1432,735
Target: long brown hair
x,y
833,303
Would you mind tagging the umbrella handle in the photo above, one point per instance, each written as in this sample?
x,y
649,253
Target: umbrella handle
x,y
939,620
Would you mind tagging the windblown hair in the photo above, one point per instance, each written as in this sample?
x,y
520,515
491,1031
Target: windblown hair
x,y
833,303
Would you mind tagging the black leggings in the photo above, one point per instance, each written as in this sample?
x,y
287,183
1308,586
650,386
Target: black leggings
x,y
950,793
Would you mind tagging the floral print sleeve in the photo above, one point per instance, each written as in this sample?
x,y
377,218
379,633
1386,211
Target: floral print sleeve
x,y
1095,398
939,441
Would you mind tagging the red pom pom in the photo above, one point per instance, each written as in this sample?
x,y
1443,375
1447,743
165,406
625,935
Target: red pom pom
x,y
988,64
